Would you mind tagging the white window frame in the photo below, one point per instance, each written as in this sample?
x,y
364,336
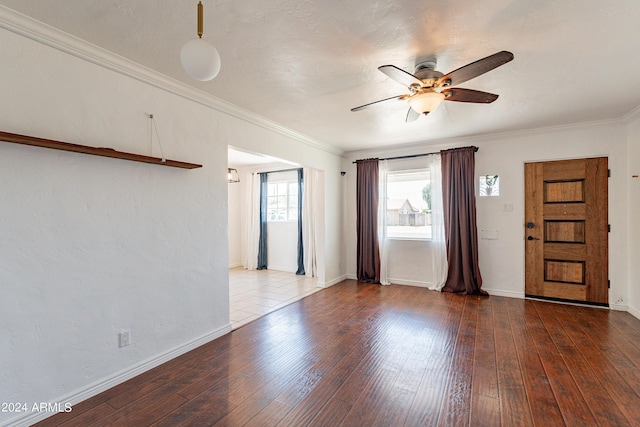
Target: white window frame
x,y
390,177
289,183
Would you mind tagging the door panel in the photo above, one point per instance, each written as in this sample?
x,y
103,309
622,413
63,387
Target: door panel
x,y
566,246
564,231
564,192
564,271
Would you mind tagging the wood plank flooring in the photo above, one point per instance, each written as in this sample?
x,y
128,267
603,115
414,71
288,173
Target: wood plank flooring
x,y
366,355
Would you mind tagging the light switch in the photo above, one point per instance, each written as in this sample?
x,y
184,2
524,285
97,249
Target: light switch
x,y
507,207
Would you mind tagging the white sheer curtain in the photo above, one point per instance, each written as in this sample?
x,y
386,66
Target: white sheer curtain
x,y
383,242
309,221
253,222
438,243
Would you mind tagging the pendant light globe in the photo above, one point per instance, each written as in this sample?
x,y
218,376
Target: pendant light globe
x,y
200,59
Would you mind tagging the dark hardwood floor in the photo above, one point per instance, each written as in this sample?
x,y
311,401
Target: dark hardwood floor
x,y
366,355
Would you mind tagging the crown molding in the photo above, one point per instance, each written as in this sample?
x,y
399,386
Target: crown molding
x,y
632,115
42,33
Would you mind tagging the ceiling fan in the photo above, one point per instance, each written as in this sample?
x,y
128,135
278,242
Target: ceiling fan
x,y
428,87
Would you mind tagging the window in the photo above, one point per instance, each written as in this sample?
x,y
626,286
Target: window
x,y
409,204
489,185
282,201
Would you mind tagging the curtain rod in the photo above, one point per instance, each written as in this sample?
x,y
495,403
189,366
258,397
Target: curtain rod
x,y
283,170
411,156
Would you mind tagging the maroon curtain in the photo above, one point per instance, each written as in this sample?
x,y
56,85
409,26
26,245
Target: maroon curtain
x,y
459,200
367,221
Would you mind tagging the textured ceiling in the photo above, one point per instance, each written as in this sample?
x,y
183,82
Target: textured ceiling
x,y
304,64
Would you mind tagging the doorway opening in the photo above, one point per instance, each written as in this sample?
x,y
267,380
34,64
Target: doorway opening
x,y
253,293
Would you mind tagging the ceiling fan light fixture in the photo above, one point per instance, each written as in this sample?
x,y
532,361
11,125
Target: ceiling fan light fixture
x,y
426,102
199,58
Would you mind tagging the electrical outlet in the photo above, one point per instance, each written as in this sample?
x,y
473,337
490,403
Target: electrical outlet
x,y
125,338
620,300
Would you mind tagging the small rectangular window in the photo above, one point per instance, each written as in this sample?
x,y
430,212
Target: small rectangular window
x,y
282,201
489,185
409,204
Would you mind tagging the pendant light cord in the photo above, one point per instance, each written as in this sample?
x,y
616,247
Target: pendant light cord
x,y
154,127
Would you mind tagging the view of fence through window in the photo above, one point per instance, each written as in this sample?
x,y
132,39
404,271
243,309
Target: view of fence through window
x,y
282,201
409,204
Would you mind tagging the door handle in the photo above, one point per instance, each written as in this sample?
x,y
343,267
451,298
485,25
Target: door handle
x,y
532,238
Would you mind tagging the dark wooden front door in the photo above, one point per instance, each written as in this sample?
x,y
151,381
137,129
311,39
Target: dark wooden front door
x,y
566,240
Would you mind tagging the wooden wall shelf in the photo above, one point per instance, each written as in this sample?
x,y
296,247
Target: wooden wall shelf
x,y
104,152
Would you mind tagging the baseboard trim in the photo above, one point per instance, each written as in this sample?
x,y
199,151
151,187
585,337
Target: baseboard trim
x,y
634,312
619,307
393,281
235,265
503,293
333,281
283,269
119,377
409,283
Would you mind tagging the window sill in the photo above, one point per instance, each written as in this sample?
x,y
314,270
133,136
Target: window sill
x,y
422,239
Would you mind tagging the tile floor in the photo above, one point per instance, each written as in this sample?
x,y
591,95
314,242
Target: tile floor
x,y
253,294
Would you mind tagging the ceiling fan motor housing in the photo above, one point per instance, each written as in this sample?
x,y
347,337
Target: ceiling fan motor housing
x,y
426,72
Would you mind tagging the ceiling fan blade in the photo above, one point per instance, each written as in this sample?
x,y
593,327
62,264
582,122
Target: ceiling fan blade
x,y
468,95
475,69
412,115
400,75
376,102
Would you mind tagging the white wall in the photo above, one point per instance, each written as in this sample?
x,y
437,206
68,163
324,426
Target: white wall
x,y
502,260
282,244
410,262
632,176
235,209
90,245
